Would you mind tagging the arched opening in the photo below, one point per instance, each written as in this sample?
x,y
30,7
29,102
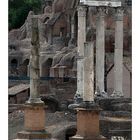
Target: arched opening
x,y
46,67
69,133
14,63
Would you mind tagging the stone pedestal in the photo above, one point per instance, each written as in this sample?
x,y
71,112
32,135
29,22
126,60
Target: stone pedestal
x,y
34,122
88,124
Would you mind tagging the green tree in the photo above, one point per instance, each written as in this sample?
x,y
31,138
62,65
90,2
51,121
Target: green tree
x,y
19,9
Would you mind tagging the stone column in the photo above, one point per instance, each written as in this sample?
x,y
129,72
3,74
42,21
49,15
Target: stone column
x,y
81,39
100,50
34,112
118,54
88,73
34,64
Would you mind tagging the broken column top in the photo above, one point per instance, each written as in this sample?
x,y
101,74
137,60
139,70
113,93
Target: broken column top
x,y
108,3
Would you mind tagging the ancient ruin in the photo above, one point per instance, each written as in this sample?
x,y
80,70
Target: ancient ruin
x,y
70,72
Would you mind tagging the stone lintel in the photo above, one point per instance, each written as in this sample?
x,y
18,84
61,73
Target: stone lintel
x,y
101,3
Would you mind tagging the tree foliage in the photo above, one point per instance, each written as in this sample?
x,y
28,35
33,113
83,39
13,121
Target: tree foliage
x,y
19,9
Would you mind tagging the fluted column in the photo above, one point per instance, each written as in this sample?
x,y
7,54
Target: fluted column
x,y
100,49
118,54
81,40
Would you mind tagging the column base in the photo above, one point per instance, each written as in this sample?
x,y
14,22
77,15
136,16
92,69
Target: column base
x,y
86,138
34,122
33,135
88,122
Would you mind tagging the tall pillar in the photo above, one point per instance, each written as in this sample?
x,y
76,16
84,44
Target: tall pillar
x,y
81,40
34,64
100,50
88,111
118,54
34,112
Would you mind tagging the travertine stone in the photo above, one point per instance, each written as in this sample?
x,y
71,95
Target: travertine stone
x,y
100,49
118,54
88,72
80,42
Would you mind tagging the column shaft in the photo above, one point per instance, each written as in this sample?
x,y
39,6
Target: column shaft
x,y
88,73
100,50
81,40
118,54
34,64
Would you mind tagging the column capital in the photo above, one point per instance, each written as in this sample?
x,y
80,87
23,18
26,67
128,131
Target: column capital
x,y
119,14
101,11
82,9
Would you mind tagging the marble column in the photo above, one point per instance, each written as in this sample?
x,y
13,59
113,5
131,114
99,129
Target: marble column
x,y
81,40
100,50
34,64
88,73
118,54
